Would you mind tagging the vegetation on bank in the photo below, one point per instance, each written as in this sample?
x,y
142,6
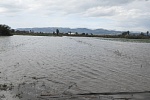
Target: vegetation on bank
x,y
33,34
5,30
127,34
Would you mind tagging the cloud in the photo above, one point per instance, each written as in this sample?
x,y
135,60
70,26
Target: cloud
x,y
102,11
66,6
82,6
10,7
2,9
125,13
135,16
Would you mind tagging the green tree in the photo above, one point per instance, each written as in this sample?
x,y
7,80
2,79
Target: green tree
x,y
5,30
57,31
76,33
83,34
12,31
147,33
128,32
142,34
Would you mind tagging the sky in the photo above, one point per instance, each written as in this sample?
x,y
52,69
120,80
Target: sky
x,y
132,15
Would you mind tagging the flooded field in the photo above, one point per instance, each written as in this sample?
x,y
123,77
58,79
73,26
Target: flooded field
x,y
60,68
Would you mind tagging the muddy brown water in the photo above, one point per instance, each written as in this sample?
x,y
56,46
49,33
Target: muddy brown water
x,y
61,67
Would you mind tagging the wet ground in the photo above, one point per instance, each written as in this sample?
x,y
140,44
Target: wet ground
x,y
62,68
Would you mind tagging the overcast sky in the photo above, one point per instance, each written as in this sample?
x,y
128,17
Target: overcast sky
x,y
133,15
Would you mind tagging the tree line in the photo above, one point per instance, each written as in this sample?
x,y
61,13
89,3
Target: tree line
x,y
5,30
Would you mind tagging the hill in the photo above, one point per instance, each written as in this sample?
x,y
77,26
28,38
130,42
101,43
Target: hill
x,y
73,30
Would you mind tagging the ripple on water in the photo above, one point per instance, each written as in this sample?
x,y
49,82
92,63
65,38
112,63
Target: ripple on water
x,y
60,65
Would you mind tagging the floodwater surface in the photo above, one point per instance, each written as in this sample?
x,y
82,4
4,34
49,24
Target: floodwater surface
x,y
37,67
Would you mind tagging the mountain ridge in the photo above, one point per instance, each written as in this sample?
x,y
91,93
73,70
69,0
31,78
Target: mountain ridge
x,y
73,30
